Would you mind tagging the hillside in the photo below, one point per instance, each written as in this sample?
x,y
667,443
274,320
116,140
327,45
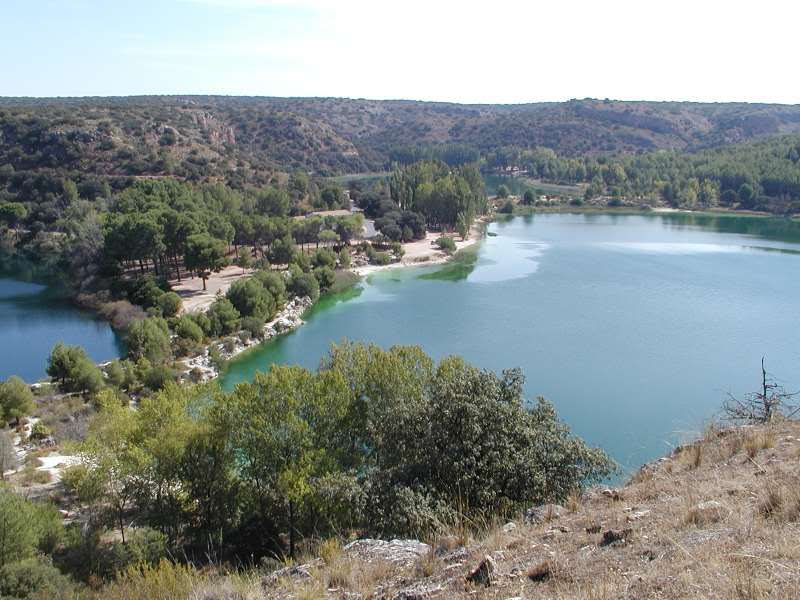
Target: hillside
x,y
243,139
715,519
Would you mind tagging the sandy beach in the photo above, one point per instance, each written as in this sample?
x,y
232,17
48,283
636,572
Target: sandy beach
x,y
425,252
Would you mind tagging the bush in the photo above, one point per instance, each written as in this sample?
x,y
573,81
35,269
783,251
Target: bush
x,y
446,243
305,284
170,304
223,318
158,377
251,299
144,547
302,260
344,258
324,258
326,277
34,578
253,326
507,208
149,339
40,431
74,370
380,258
187,328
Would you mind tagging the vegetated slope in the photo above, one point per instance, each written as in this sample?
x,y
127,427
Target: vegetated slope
x,y
718,518
241,138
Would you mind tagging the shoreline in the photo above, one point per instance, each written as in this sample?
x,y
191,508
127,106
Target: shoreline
x,y
423,253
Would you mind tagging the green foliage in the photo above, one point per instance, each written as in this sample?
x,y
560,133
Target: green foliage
x,y
34,578
205,255
170,304
438,193
507,208
446,243
149,338
324,258
303,261
16,400
305,284
74,371
529,197
274,283
40,431
158,377
223,318
251,299
187,328
344,258
326,277
503,192
26,527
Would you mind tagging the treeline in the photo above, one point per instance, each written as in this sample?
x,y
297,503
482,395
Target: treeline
x,y
763,175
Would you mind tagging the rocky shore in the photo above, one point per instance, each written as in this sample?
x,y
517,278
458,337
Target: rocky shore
x,y
202,368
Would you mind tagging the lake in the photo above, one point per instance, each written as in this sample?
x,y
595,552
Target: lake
x,y
34,317
634,326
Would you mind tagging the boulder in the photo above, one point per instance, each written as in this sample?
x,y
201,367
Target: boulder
x,y
484,572
543,513
395,551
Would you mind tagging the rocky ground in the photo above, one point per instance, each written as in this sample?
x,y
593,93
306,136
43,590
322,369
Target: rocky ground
x,y
202,367
719,518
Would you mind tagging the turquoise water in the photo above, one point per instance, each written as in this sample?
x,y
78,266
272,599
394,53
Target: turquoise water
x,y
635,326
33,319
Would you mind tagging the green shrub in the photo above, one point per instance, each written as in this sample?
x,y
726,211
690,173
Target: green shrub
x,y
324,258
187,328
507,208
40,431
253,326
170,304
446,243
305,284
326,277
34,578
158,377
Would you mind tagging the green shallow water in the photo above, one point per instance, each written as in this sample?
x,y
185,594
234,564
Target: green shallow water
x,y
635,326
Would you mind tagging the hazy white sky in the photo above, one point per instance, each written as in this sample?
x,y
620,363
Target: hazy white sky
x,y
466,51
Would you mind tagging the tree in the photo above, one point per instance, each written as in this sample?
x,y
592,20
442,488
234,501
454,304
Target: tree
x,y
762,406
305,284
149,338
112,466
251,299
502,191
16,400
244,259
746,195
223,317
205,255
529,197
72,368
325,277
17,532
170,304
282,251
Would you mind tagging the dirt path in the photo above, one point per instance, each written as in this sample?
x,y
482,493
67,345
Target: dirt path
x,y
196,299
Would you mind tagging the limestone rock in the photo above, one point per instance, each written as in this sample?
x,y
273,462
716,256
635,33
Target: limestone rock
x,y
484,572
543,513
396,551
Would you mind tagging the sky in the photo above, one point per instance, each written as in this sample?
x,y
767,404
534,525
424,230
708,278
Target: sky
x,y
493,51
